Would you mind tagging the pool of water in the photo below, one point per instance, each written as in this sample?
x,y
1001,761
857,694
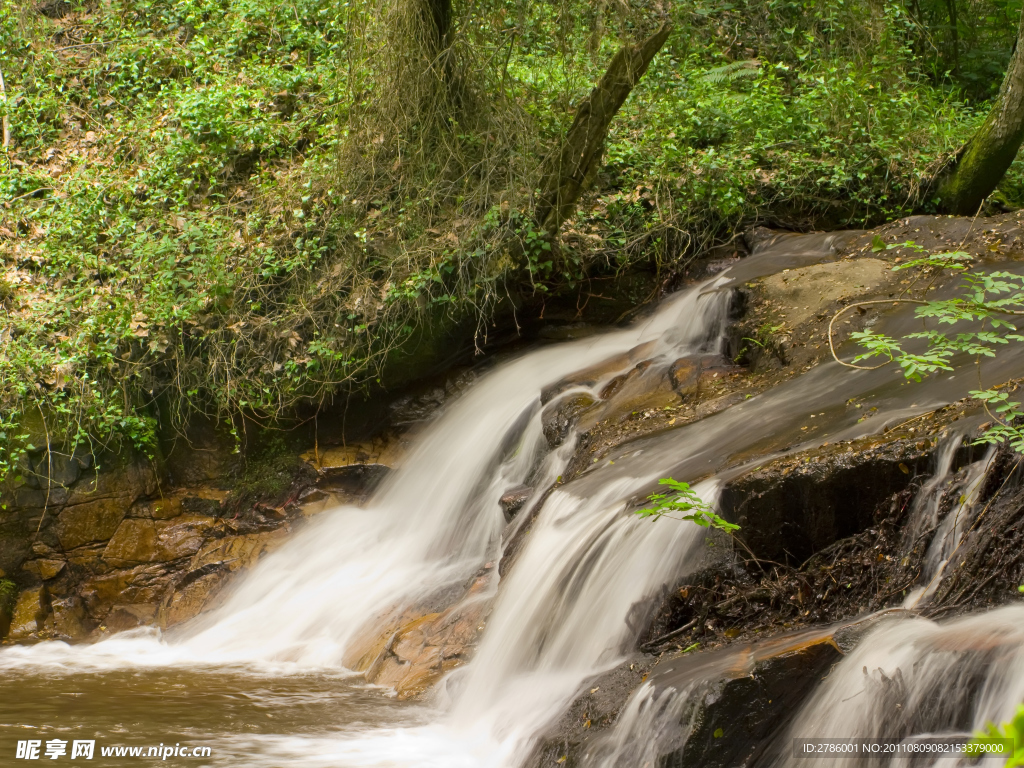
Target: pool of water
x,y
245,717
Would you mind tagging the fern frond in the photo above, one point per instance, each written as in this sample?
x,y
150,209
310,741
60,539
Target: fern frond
x,y
733,71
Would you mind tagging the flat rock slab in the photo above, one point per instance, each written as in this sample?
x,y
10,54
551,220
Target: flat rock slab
x,y
802,293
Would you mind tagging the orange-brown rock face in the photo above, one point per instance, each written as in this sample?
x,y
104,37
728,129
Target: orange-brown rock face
x,y
411,649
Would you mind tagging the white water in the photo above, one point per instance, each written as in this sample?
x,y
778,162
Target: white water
x,y
947,530
915,677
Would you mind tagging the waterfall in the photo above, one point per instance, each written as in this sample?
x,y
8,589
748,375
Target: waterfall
x,y
433,524
946,529
566,610
912,678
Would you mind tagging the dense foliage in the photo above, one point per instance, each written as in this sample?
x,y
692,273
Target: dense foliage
x,y
235,206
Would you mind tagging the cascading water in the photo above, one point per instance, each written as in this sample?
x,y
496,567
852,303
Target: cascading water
x,y
435,523
915,678
562,615
659,717
947,530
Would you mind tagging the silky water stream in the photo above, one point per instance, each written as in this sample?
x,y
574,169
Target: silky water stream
x,y
262,681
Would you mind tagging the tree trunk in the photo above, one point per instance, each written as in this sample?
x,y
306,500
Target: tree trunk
x,y
569,170
437,20
986,157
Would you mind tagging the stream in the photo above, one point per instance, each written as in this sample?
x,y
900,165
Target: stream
x,y
262,680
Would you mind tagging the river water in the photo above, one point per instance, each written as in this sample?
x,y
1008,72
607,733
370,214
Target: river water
x,y
262,682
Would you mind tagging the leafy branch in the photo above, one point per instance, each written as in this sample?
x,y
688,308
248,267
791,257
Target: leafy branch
x,y
683,500
986,298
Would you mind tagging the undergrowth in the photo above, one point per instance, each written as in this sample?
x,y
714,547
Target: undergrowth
x,y
238,206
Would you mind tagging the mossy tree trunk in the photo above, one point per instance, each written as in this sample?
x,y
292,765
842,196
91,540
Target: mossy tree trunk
x,y
573,166
983,162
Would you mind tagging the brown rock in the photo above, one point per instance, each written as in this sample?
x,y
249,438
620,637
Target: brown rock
x,y
44,569
319,501
589,377
158,541
91,521
685,374
124,617
166,508
196,593
142,584
28,615
514,498
69,619
236,552
560,416
410,652
131,481
800,294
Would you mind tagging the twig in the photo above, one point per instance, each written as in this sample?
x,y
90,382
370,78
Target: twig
x,y
7,124
29,194
835,317
49,469
665,638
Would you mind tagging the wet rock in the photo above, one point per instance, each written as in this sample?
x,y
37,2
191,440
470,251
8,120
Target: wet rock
x,y
91,521
424,649
793,507
130,481
648,384
320,501
684,374
196,592
29,613
386,450
354,479
589,377
716,709
424,402
590,715
121,618
151,541
236,552
45,569
514,498
411,649
70,620
56,469
559,417
141,584
165,508
197,505
737,699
